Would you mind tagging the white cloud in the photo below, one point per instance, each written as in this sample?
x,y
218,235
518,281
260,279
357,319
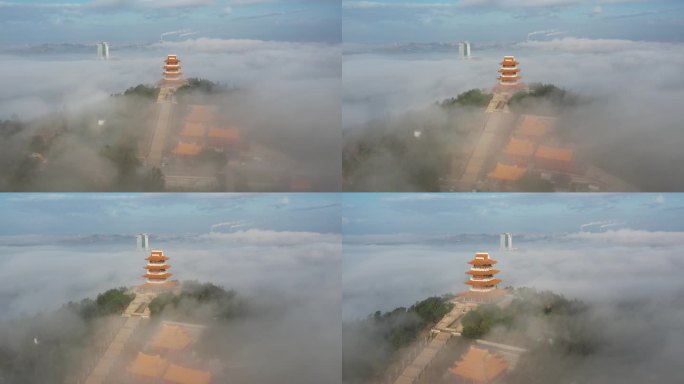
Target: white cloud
x,y
267,237
250,2
151,3
582,45
628,236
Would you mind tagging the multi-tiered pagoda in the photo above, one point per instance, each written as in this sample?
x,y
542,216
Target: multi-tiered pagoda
x,y
509,72
172,71
157,269
483,283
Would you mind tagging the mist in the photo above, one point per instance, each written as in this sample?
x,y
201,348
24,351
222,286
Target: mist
x,y
288,283
282,96
629,279
629,124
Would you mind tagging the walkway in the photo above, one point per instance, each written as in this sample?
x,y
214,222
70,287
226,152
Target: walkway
x,y
135,311
492,129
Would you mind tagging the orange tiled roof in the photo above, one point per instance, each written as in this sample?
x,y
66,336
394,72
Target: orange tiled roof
x,y
224,133
483,283
201,114
480,366
554,153
164,275
147,365
193,130
157,266
300,185
519,147
181,375
480,273
187,149
171,337
534,126
507,172
482,262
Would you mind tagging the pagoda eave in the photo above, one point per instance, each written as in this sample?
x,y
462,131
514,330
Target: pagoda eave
x,y
161,276
481,273
157,266
484,283
482,262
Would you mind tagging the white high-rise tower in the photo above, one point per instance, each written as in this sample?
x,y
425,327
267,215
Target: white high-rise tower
x,y
143,242
506,241
103,51
464,50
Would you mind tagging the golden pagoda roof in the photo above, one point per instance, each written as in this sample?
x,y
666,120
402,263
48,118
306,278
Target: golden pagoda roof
x,y
201,114
483,283
171,337
181,375
187,149
147,365
507,172
191,129
534,126
482,262
164,275
480,366
157,266
224,133
554,153
519,147
480,273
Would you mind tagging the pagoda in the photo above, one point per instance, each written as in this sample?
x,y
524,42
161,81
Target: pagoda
x,y
172,71
483,283
509,72
157,267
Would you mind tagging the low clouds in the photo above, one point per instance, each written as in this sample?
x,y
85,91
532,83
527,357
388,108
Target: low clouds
x,y
629,125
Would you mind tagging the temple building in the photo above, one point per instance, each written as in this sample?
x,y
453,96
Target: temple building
x,y
172,72
519,151
483,283
505,172
509,72
187,149
479,366
156,369
554,159
533,127
157,276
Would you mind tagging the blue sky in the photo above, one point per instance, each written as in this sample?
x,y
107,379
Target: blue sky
x,y
453,214
105,213
87,21
387,21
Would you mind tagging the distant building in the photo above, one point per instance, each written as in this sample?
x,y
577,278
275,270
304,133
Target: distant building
x,y
464,50
143,241
506,241
103,51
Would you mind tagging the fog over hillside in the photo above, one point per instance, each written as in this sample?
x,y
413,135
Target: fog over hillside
x,y
629,124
